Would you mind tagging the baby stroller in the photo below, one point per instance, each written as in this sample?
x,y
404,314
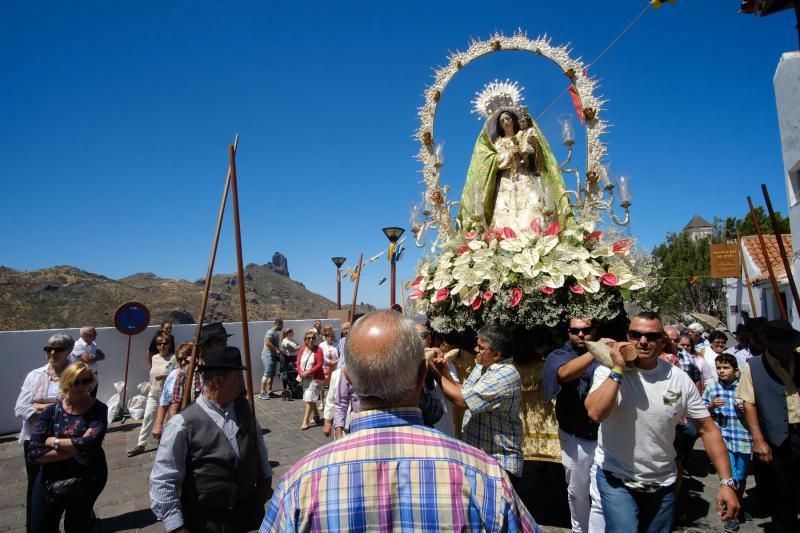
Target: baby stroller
x,y
292,389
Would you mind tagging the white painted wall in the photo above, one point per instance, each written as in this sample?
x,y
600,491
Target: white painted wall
x,y
21,352
787,97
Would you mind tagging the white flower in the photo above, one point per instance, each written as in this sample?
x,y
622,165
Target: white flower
x,y
602,251
590,284
553,281
511,245
546,243
468,294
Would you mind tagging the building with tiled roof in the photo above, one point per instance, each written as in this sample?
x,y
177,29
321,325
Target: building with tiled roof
x,y
755,262
698,228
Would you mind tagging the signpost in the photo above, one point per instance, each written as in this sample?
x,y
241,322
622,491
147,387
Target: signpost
x,y
130,319
725,261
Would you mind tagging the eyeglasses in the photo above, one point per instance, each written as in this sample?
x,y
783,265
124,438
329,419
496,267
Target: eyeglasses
x,y
82,381
424,335
162,344
309,338
585,331
722,343
56,349
328,335
652,336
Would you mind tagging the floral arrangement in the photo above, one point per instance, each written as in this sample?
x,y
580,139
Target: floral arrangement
x,y
534,277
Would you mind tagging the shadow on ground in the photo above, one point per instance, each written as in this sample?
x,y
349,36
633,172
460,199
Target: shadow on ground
x,y
126,521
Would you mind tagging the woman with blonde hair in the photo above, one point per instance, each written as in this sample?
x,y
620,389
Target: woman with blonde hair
x,y
309,370
68,442
39,390
183,357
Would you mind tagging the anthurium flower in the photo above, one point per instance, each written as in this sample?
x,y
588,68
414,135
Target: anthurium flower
x,y
622,247
516,296
462,249
593,236
535,227
442,294
488,295
416,281
416,295
609,279
469,235
577,289
547,290
508,233
476,303
554,228
589,284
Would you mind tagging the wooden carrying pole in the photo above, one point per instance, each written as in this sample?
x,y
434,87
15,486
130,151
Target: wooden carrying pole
x,y
746,276
240,282
189,382
772,278
779,238
355,289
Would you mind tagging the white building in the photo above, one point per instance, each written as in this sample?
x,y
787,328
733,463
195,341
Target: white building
x,y
787,98
763,295
698,228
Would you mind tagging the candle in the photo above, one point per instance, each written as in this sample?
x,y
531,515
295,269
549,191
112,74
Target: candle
x,y
567,134
623,185
439,154
604,176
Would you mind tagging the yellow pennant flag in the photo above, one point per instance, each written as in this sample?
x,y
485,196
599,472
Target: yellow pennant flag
x,y
658,3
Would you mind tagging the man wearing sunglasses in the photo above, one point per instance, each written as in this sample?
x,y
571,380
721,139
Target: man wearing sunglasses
x,y
567,377
638,405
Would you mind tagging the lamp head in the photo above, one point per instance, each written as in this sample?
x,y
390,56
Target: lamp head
x,y
393,233
338,261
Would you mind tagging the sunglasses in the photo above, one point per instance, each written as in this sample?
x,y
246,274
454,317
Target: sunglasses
x,y
309,338
56,349
651,336
162,344
585,331
424,335
82,382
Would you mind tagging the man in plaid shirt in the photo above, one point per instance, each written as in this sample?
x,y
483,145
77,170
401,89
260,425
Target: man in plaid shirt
x,y
491,395
720,398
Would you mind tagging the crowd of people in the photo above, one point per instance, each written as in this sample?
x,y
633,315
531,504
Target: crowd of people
x,y
428,435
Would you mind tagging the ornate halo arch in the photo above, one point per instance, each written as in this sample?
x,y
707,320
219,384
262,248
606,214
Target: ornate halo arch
x,y
573,69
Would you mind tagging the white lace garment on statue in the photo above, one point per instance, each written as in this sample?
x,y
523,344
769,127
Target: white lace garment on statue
x,y
520,195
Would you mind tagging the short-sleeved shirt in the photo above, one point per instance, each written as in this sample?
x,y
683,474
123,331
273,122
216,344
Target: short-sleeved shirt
x,y
636,439
741,353
81,347
728,418
746,393
570,410
153,348
492,421
275,335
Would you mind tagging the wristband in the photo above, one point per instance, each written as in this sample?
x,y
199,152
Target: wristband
x,y
615,375
729,482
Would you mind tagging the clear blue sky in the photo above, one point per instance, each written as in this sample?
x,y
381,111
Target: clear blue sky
x,y
115,119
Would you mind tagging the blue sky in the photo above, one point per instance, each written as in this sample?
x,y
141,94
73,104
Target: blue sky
x,y
115,119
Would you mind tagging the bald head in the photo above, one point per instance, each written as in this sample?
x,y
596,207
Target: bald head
x,y
385,359
672,332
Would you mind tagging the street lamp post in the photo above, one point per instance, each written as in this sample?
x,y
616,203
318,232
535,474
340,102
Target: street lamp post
x,y
393,234
338,261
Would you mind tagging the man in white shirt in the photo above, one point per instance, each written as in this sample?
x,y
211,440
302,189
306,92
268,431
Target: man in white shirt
x,y
86,350
638,406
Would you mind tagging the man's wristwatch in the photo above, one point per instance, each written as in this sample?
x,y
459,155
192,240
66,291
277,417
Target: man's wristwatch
x,y
729,482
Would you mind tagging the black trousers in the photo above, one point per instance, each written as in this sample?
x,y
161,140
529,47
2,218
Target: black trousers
x,y
32,469
247,516
77,515
781,485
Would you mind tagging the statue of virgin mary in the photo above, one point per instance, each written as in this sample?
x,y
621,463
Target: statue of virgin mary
x,y
513,177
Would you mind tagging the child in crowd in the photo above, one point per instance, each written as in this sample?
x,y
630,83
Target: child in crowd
x,y
728,414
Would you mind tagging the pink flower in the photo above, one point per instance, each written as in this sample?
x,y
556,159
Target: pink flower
x,y
476,303
593,236
609,279
442,294
516,296
535,227
508,233
547,290
469,235
490,234
417,294
488,295
554,228
577,289
415,283
462,249
622,247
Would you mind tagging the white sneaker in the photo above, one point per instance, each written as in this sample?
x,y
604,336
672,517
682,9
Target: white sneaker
x,y
263,396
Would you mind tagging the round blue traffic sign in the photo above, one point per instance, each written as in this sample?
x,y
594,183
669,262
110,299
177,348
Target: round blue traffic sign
x,y
131,318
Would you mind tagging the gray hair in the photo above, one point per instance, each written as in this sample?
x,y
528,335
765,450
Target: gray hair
x,y
86,329
63,340
388,376
499,339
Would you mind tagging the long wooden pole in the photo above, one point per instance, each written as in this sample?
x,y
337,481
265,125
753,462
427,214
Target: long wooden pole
x,y
189,383
355,289
779,238
772,277
746,276
240,281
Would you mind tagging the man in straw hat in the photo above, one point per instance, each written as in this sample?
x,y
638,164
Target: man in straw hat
x,y
769,389
208,474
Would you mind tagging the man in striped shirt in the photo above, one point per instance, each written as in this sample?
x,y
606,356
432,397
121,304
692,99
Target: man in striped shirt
x,y
391,472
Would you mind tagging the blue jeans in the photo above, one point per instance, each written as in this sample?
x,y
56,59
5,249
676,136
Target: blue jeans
x,y
627,510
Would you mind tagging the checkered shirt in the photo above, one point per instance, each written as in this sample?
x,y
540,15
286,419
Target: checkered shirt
x,y
492,421
394,474
689,366
728,418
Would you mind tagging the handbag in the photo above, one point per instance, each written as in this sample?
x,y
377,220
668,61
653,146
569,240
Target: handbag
x,y
63,481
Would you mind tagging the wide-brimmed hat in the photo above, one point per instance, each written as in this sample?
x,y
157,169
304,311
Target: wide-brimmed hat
x,y
742,329
225,357
780,334
209,331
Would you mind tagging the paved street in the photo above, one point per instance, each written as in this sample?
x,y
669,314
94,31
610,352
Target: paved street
x,y
124,505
